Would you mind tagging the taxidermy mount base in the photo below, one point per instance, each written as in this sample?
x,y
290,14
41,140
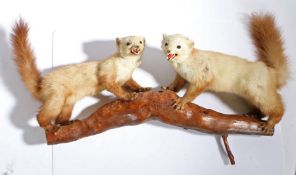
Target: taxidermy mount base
x,y
158,105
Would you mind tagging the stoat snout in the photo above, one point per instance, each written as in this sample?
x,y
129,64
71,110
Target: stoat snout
x,y
135,50
171,56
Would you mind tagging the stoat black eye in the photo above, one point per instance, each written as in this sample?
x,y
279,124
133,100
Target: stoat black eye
x,y
141,42
178,47
166,44
128,43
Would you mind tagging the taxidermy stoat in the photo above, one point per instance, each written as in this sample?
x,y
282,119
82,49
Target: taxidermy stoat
x,y
61,88
255,81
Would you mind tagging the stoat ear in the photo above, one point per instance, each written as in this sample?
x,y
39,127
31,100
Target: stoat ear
x,y
164,36
144,41
191,43
117,42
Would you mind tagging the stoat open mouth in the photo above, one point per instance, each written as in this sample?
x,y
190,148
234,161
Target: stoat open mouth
x,y
135,51
171,56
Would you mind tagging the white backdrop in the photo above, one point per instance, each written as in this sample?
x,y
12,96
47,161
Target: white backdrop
x,y
64,32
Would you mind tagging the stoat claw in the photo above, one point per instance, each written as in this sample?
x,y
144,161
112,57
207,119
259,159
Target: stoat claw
x,y
267,127
143,89
52,128
179,104
169,88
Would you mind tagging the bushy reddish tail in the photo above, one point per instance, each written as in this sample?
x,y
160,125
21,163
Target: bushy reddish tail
x,y
268,41
25,59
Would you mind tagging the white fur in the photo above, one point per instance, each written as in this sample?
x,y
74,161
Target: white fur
x,y
207,70
125,68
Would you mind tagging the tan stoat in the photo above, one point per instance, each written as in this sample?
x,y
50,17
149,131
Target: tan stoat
x,y
61,88
257,82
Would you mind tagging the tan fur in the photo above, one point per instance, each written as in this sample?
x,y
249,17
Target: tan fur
x,y
267,39
61,88
255,81
25,59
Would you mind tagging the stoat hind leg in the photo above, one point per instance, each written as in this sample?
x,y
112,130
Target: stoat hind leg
x,y
275,113
270,103
50,110
65,114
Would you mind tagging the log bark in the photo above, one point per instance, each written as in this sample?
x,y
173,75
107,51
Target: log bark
x,y
156,105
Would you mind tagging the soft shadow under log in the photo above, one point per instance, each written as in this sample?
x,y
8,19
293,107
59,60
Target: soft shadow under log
x,y
157,105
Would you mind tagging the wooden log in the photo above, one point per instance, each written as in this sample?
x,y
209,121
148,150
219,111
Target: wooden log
x,y
156,105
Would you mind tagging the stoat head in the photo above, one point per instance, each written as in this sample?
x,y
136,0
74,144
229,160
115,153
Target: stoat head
x,y
130,46
176,47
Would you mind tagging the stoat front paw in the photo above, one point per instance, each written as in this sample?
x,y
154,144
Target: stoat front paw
x,y
129,96
132,96
179,104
